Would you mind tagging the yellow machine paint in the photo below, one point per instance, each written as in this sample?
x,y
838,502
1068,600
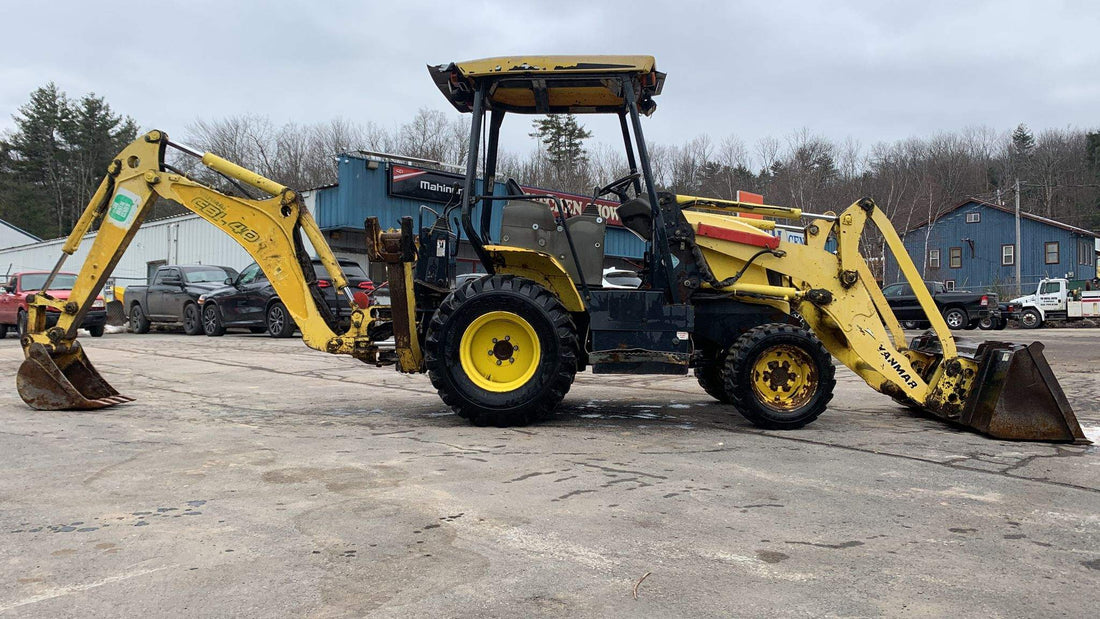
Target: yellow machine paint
x,y
500,351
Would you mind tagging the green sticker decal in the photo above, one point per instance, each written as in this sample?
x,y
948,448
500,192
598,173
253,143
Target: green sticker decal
x,y
123,208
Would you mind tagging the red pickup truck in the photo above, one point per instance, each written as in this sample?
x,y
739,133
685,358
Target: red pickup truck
x,y
13,302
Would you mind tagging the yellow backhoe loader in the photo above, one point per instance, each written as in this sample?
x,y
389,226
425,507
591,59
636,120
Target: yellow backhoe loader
x,y
756,317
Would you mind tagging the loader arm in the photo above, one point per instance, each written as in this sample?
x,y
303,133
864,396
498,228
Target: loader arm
x,y
57,373
842,303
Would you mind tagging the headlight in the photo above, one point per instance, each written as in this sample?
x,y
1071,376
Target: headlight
x,y
98,304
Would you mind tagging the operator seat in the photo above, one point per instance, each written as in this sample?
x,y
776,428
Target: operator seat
x,y
531,224
637,216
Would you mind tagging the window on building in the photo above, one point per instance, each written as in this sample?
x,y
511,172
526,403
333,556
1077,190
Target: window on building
x,y
1051,253
949,284
1008,255
1085,252
955,257
933,258
973,218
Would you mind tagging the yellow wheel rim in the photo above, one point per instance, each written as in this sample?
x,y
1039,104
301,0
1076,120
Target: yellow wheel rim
x,y
499,351
784,378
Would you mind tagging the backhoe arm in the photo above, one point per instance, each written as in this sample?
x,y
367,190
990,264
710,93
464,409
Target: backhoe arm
x,y
268,229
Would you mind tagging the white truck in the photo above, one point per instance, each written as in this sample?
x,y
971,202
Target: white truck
x,y
1053,301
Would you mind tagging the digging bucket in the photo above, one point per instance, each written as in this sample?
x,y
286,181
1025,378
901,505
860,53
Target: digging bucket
x,y
66,381
1015,395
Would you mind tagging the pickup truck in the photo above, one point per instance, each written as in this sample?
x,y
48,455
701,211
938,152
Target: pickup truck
x,y
172,296
960,309
1053,301
13,302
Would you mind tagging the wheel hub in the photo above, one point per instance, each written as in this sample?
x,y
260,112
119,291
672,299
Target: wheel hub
x,y
784,377
499,351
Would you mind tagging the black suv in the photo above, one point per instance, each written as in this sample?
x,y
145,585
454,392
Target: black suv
x,y
249,301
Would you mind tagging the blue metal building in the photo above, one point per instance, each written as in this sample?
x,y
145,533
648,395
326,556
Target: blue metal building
x,y
972,246
365,189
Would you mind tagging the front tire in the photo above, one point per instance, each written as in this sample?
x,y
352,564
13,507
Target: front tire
x,y
1031,318
1001,324
192,320
96,331
212,324
956,318
501,351
779,376
279,322
21,323
138,322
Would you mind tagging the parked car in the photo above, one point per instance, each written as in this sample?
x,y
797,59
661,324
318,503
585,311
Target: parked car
x,y
249,301
13,302
960,309
620,278
172,296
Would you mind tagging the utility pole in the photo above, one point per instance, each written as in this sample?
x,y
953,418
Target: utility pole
x,y
1016,258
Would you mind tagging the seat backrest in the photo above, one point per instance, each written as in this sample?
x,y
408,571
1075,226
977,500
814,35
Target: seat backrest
x,y
530,224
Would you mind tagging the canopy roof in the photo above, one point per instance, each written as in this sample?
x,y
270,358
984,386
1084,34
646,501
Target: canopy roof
x,y
551,84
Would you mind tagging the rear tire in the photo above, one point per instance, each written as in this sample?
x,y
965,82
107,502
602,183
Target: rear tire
x,y
779,376
956,318
469,337
279,322
910,325
138,322
192,320
1001,324
709,376
212,324
96,331
4,331
1031,318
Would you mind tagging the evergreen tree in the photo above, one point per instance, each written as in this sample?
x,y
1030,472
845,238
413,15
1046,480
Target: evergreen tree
x,y
564,138
1022,141
52,163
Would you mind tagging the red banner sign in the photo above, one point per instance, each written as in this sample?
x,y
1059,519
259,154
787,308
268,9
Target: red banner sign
x,y
574,204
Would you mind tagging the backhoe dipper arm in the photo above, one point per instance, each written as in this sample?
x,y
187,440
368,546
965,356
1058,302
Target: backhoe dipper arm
x,y
267,229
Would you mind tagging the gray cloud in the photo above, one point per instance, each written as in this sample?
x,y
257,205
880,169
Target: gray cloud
x,y
872,71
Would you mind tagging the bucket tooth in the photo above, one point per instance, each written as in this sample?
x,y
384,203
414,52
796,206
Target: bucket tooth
x,y
65,382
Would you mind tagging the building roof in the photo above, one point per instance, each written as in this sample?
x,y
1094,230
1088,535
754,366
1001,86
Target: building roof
x,y
1005,209
20,230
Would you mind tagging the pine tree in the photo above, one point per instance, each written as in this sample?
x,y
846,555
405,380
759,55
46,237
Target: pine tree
x,y
1023,143
564,138
52,163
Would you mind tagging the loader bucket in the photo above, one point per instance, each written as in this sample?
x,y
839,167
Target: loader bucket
x,y
1015,395
65,382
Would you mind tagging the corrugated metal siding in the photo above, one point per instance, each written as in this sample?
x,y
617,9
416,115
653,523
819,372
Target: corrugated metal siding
x,y
982,268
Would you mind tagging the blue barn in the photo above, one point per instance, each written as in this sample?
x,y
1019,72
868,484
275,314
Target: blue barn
x,y
973,246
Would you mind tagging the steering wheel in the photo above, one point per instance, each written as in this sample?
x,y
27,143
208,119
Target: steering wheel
x,y
618,187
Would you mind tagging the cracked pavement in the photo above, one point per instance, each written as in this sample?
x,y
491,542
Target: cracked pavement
x,y
256,477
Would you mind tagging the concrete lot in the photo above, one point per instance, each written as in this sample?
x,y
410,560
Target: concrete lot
x,y
256,477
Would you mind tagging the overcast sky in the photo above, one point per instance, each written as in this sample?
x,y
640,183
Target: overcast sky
x,y
869,70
